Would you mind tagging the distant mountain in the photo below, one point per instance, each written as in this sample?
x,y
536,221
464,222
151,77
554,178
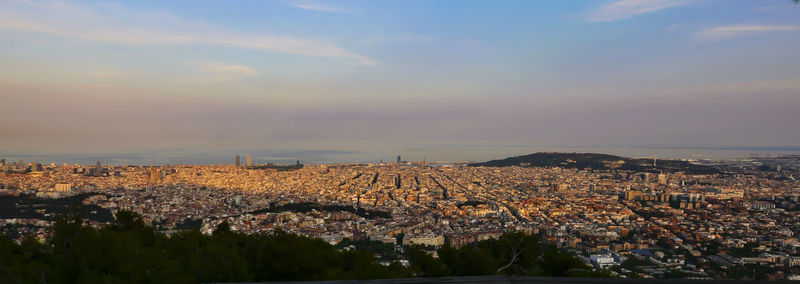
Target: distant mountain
x,y
598,162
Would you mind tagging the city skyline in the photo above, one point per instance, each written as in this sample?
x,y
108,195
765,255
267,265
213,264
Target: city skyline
x,y
146,78
424,141
613,216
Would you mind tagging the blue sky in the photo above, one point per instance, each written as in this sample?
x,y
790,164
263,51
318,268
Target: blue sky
x,y
385,77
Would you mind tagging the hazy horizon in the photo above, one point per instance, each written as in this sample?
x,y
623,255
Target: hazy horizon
x,y
363,80
430,153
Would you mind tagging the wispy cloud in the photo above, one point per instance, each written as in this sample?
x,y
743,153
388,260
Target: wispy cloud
x,y
114,23
314,6
224,72
623,9
738,31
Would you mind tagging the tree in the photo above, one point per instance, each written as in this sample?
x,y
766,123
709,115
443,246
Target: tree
x,y
129,251
425,265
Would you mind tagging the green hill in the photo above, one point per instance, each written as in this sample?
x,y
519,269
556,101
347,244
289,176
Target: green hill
x,y
598,162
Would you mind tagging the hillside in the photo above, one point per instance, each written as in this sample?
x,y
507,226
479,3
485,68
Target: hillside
x,y
129,251
598,162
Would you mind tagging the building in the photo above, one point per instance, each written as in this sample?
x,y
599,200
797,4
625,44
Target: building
x,y
664,196
36,167
762,205
662,179
237,160
560,187
428,240
154,175
792,261
458,241
63,187
633,195
97,170
602,260
249,160
398,159
359,235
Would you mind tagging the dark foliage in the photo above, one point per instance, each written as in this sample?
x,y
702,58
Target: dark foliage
x,y
278,167
306,207
470,203
596,161
128,251
30,206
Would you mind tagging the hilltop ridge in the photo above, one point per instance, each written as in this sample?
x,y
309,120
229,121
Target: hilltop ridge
x,y
598,161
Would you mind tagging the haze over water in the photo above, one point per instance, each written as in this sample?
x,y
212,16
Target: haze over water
x,y
452,153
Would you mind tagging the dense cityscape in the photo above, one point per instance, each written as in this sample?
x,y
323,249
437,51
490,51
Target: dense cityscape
x,y
415,141
740,221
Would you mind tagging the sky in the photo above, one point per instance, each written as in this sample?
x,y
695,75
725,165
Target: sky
x,y
198,81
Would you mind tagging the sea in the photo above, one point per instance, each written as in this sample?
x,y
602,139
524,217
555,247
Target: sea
x,y
417,153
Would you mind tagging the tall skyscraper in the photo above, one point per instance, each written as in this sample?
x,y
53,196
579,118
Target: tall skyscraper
x,y
36,167
249,160
237,160
98,170
398,159
155,175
